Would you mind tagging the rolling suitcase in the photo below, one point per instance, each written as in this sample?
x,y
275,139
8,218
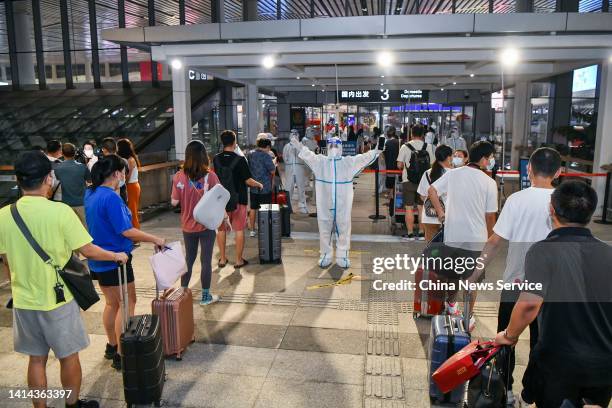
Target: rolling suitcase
x,y
285,213
448,335
175,311
142,359
427,303
269,231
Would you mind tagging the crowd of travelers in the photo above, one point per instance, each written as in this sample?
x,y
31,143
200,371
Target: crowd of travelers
x,y
87,201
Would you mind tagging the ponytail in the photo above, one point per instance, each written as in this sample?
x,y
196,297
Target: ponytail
x,y
442,153
104,168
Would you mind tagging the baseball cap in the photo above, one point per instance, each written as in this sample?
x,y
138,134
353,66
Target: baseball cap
x,y
32,165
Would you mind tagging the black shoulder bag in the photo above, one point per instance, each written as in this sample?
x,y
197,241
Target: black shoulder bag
x,y
75,273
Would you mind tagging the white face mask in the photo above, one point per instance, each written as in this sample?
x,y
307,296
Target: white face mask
x,y
491,164
457,162
88,153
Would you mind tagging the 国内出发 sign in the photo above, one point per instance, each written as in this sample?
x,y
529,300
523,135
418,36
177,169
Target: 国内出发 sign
x,y
383,95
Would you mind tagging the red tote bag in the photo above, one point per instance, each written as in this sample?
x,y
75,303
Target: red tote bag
x,y
464,365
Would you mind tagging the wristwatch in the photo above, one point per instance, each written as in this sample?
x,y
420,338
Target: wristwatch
x,y
510,338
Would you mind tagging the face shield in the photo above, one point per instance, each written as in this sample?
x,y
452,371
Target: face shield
x,y
334,147
294,134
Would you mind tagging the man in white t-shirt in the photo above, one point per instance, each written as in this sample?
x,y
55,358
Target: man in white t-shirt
x,y
470,207
415,150
525,219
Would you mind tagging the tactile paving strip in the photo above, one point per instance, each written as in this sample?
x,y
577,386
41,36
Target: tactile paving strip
x,y
383,383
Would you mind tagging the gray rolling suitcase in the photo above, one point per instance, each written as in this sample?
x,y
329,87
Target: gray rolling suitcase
x,y
270,232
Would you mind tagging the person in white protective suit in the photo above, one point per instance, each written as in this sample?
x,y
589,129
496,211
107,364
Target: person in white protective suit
x,y
334,176
296,173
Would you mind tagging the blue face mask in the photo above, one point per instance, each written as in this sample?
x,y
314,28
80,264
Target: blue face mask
x,y
491,164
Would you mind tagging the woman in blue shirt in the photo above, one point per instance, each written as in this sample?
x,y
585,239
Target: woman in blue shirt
x,y
110,224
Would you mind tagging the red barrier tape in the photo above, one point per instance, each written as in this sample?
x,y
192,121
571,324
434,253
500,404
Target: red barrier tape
x,y
504,172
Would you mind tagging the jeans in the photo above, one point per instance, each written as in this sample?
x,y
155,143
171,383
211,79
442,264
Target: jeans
x,y
206,240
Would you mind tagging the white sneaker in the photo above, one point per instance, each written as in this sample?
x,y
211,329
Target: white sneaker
x,y
210,300
343,262
253,234
510,399
521,403
325,261
303,210
472,325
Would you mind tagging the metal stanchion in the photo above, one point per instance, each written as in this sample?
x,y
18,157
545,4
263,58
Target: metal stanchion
x,y
604,216
376,216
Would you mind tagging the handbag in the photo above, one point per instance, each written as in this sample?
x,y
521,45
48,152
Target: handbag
x,y
430,210
168,265
75,273
488,390
210,209
463,365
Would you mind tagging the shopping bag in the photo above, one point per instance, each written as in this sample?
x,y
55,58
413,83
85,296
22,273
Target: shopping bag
x,y
168,265
210,210
463,365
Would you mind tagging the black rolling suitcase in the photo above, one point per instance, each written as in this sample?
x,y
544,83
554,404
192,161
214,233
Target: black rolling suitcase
x,y
270,231
142,354
285,213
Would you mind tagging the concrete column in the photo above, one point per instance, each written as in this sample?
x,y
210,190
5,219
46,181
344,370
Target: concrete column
x,y
603,135
284,117
524,6
53,72
217,11
567,6
227,116
249,10
23,35
251,105
3,73
520,119
181,98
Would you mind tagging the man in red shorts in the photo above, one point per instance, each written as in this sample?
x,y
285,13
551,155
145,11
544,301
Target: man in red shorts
x,y
234,174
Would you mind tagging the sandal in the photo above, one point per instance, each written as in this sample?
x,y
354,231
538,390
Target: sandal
x,y
244,263
222,264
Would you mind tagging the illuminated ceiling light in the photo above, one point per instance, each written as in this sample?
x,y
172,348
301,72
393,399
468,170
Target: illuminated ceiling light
x,y
268,62
176,64
385,59
312,85
509,57
382,76
471,75
454,83
297,77
323,90
381,84
441,89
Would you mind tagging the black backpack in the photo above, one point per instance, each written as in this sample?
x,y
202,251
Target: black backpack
x,y
419,163
226,177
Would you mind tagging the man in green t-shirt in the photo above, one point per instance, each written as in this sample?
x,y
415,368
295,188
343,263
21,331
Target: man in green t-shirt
x,y
41,322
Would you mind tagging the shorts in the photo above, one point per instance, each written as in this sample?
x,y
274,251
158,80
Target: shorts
x,y
238,219
111,278
258,198
410,195
35,332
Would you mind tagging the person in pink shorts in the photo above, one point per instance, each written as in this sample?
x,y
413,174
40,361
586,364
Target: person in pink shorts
x,y
234,174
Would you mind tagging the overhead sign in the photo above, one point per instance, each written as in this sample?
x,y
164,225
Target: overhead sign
x,y
383,95
198,76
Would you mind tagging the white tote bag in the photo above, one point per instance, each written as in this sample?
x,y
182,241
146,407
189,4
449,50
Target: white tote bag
x,y
210,210
168,265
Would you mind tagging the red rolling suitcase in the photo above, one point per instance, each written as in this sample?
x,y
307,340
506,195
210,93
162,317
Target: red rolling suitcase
x,y
175,311
427,303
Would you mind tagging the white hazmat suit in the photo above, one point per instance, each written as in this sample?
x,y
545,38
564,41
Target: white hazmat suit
x,y
334,176
296,173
